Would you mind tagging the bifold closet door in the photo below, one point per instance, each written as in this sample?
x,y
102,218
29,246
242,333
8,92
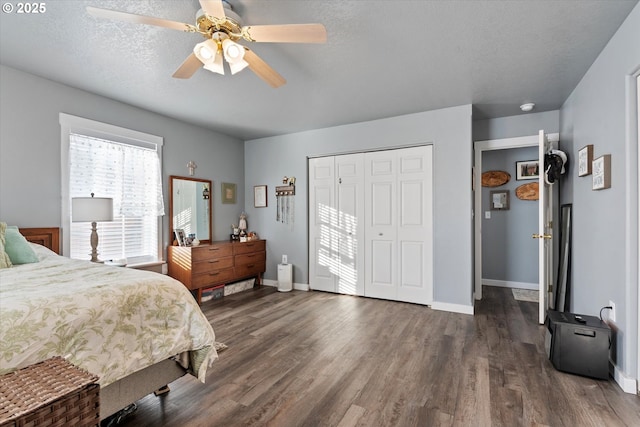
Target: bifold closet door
x,y
370,224
323,248
336,229
399,230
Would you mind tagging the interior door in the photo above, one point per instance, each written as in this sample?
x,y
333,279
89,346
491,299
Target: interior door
x,y
544,234
399,230
381,229
415,234
324,253
349,220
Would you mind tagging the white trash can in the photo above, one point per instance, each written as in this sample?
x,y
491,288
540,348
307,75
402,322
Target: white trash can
x,y
285,277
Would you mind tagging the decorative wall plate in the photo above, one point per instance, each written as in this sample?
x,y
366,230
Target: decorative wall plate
x,y
528,191
495,178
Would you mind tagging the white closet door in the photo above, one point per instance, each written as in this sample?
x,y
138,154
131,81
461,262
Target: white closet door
x,y
380,230
324,251
350,227
415,232
370,224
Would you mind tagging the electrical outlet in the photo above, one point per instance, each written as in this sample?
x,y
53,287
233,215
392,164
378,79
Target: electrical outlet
x,y
612,312
487,214
284,259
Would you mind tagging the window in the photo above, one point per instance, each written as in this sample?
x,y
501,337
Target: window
x,y
120,164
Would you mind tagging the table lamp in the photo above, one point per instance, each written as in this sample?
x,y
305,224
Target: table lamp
x,y
93,210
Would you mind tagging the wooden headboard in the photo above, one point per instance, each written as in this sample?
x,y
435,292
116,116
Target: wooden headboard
x,y
49,237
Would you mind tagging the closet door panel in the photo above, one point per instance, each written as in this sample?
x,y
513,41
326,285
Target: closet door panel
x,y
411,255
411,204
382,270
414,233
350,220
323,251
380,232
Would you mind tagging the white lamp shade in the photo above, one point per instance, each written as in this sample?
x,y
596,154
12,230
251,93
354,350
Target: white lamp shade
x,y
206,51
232,51
238,66
91,209
215,66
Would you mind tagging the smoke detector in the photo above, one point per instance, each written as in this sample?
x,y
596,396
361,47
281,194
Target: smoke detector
x,y
527,107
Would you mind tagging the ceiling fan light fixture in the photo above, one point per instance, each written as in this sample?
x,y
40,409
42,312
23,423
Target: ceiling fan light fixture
x,y
233,52
238,66
216,66
206,51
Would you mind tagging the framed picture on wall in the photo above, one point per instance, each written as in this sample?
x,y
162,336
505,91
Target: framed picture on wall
x,y
499,200
228,193
602,172
260,196
585,160
527,169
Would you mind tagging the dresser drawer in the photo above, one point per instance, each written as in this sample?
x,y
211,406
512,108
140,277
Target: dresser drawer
x,y
251,258
248,247
213,278
212,265
207,252
250,269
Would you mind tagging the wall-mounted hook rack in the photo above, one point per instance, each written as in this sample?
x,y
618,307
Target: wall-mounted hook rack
x,y
285,190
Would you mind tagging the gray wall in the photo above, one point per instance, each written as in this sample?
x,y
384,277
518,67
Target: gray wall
x,y
267,160
508,251
514,126
605,234
30,188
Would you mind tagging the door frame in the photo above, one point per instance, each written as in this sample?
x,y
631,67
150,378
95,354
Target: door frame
x,y
480,147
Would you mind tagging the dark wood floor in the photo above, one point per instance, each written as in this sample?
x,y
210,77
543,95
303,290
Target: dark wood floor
x,y
318,359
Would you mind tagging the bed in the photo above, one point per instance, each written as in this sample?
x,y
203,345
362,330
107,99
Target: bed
x,y
136,330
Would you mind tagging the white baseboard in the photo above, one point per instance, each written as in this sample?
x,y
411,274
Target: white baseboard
x,y
628,385
454,308
510,284
296,286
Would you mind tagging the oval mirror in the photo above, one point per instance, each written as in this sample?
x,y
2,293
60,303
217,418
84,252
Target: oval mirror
x,y
190,207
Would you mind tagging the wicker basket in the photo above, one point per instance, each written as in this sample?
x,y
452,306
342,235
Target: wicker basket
x,y
50,393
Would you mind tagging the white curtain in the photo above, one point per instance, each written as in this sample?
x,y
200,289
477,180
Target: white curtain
x,y
131,176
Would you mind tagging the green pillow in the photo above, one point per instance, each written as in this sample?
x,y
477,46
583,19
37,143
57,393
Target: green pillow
x,y
18,248
5,261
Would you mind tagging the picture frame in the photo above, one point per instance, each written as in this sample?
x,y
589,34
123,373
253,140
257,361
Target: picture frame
x,y
228,193
585,160
180,236
527,169
260,196
499,200
601,169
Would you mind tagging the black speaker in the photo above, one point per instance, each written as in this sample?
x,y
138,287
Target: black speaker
x,y
578,344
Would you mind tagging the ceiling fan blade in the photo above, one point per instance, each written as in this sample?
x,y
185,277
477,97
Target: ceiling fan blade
x,y
213,8
263,70
138,19
188,67
291,33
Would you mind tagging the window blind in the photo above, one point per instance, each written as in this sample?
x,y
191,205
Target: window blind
x,y
131,176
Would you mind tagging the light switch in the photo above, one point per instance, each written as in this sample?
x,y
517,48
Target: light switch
x,y
487,215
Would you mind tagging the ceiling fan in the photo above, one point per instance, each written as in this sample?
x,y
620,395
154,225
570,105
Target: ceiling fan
x,y
222,28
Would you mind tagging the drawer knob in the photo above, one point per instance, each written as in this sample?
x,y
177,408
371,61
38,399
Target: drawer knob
x,y
213,274
213,262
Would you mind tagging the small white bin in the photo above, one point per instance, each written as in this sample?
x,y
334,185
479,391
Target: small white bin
x,y
285,277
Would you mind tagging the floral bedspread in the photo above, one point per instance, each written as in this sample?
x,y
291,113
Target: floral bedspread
x,y
111,321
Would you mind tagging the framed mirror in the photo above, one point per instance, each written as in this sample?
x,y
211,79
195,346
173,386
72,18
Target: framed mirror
x,y
190,208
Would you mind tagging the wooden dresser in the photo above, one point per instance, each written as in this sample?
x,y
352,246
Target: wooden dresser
x,y
221,262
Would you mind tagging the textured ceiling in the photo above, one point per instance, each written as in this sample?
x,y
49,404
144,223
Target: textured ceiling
x,y
382,58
